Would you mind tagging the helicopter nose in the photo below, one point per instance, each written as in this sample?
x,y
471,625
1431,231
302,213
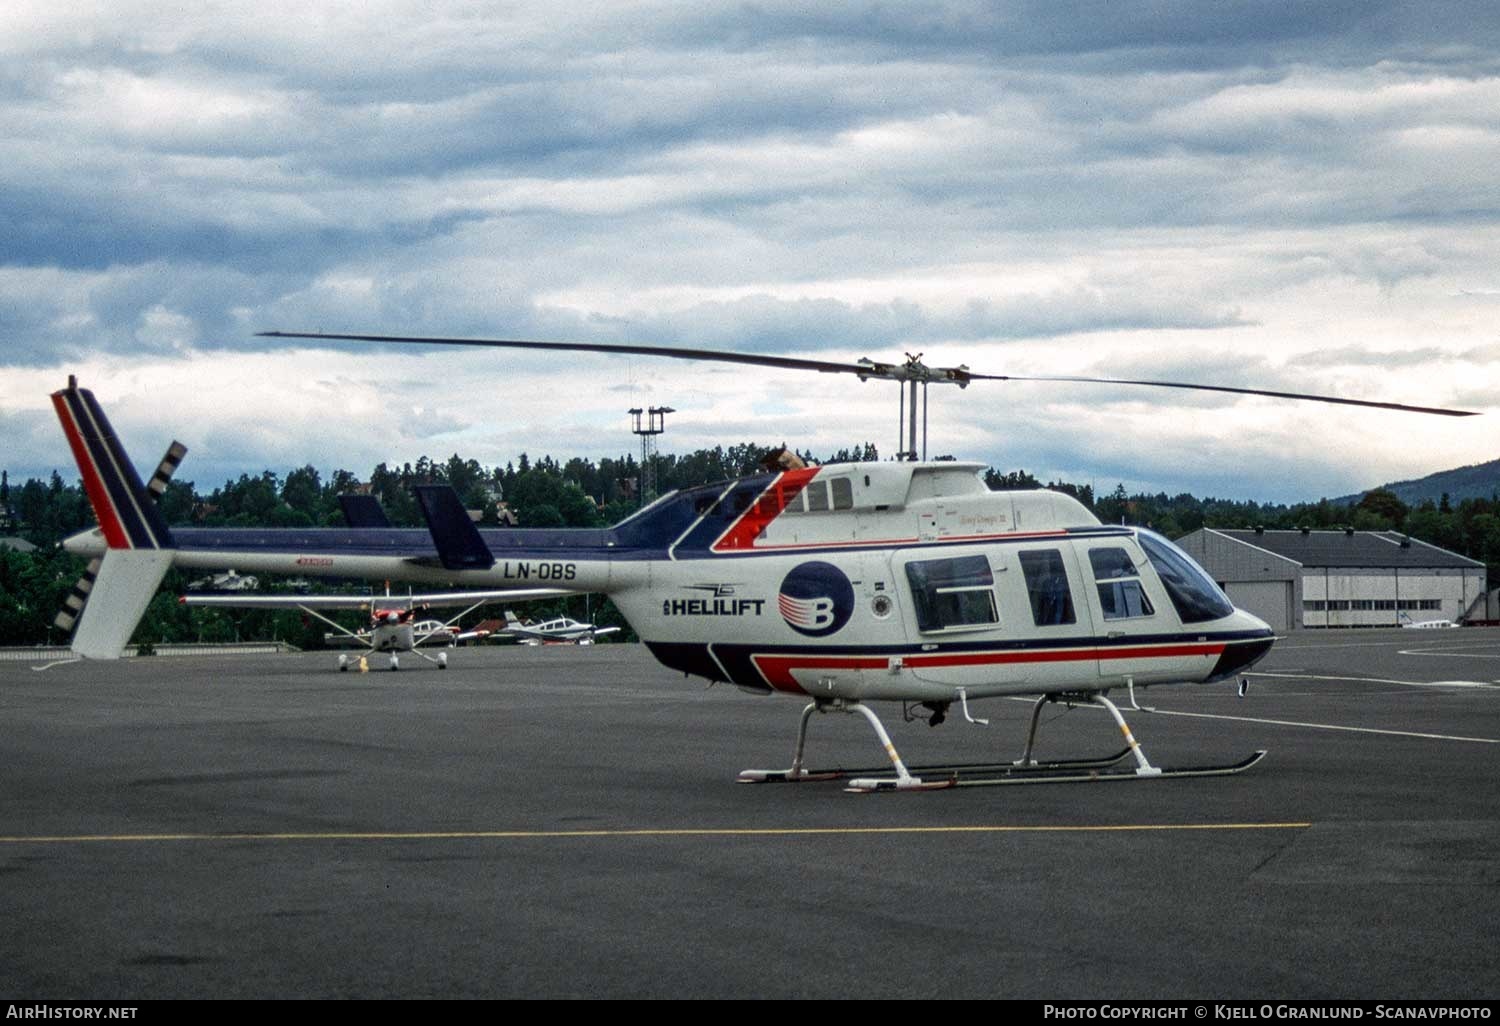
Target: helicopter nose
x,y
1252,644
1248,621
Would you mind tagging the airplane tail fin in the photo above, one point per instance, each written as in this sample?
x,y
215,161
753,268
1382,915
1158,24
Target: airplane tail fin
x,y
511,620
363,511
109,600
458,542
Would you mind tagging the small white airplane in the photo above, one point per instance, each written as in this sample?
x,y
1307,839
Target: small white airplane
x,y
1427,625
393,628
552,632
227,581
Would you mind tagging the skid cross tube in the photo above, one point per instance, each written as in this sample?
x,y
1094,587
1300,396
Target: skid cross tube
x,y
798,772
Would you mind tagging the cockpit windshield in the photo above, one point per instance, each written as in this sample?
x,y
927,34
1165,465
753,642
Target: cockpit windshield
x,y
1194,594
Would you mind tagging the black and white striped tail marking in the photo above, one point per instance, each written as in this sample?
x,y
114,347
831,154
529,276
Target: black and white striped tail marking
x,y
77,598
164,471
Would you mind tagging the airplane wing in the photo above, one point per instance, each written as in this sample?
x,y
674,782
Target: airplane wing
x,y
430,600
520,634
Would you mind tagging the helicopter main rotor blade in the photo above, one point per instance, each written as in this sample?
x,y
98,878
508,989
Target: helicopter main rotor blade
x,y
1301,396
912,370
620,349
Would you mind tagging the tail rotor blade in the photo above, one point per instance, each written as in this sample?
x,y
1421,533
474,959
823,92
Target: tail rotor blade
x,y
164,470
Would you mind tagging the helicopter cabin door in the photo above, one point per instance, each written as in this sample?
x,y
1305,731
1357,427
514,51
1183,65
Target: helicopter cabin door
x,y
1139,634
995,618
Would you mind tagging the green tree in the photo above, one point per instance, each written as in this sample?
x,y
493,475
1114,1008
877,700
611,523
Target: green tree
x,y
1385,504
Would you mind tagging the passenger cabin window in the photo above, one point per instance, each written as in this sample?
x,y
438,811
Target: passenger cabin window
x,y
1047,584
822,496
1120,591
843,493
817,496
953,594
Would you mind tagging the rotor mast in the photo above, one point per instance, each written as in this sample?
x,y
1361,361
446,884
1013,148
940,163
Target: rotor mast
x,y
911,374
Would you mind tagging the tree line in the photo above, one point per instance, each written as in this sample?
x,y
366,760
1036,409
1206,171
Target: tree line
x,y
578,492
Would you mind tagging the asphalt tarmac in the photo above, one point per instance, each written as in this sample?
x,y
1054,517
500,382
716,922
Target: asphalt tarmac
x,y
548,822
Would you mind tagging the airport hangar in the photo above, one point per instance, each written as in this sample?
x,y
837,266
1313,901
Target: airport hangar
x,y
1348,578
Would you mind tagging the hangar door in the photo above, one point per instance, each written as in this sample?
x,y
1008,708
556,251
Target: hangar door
x,y
1269,600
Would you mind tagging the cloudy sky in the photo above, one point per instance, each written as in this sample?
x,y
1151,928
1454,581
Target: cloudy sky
x,y
1291,196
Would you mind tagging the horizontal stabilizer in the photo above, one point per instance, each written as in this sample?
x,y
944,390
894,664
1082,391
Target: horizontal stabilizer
x,y
363,511
457,539
126,582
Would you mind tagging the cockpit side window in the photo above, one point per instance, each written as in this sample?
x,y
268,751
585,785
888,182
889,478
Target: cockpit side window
x,y
1194,595
1120,592
1047,585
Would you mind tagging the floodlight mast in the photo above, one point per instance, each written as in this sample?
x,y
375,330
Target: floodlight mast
x,y
656,423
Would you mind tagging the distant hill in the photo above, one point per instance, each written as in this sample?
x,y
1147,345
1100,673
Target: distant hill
x,y
1480,481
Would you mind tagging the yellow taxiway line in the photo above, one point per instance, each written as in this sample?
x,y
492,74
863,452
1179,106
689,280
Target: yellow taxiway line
x,y
523,835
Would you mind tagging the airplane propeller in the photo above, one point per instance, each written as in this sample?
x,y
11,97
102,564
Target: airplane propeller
x,y
912,372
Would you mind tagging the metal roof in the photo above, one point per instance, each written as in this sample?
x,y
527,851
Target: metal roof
x,y
1369,549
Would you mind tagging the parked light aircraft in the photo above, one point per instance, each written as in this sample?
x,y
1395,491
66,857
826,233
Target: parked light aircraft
x,y
1426,625
842,585
561,630
393,625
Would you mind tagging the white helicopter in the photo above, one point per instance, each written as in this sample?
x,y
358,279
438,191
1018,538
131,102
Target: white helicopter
x,y
842,585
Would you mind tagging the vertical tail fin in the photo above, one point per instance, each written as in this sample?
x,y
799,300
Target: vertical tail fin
x,y
458,542
127,516
363,511
111,597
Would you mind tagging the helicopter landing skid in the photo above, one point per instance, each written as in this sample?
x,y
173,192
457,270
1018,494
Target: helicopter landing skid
x,y
940,769
1025,770
1056,774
